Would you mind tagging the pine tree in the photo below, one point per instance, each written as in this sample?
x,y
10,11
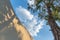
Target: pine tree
x,y
50,12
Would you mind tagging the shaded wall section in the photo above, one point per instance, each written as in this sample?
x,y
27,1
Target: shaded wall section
x,y
10,26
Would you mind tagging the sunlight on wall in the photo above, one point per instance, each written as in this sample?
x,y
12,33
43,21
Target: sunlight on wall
x,y
10,26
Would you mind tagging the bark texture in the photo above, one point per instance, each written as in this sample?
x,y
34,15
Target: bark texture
x,y
54,27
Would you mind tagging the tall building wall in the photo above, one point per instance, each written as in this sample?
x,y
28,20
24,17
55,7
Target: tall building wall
x,y
10,26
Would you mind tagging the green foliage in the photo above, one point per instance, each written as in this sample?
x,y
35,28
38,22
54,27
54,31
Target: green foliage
x,y
38,7
56,15
38,1
55,9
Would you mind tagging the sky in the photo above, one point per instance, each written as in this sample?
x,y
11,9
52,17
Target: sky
x,y
37,28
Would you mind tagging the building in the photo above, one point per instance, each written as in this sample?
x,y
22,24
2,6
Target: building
x,y
10,26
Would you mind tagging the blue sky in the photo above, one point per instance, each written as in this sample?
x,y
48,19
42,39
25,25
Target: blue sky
x,y
37,28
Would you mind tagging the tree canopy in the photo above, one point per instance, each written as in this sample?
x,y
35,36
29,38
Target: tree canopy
x,y
40,6
50,11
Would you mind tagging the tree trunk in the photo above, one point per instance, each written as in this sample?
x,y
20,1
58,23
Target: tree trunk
x,y
10,26
54,27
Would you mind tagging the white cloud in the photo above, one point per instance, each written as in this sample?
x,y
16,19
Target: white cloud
x,y
24,13
35,29
30,21
31,2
